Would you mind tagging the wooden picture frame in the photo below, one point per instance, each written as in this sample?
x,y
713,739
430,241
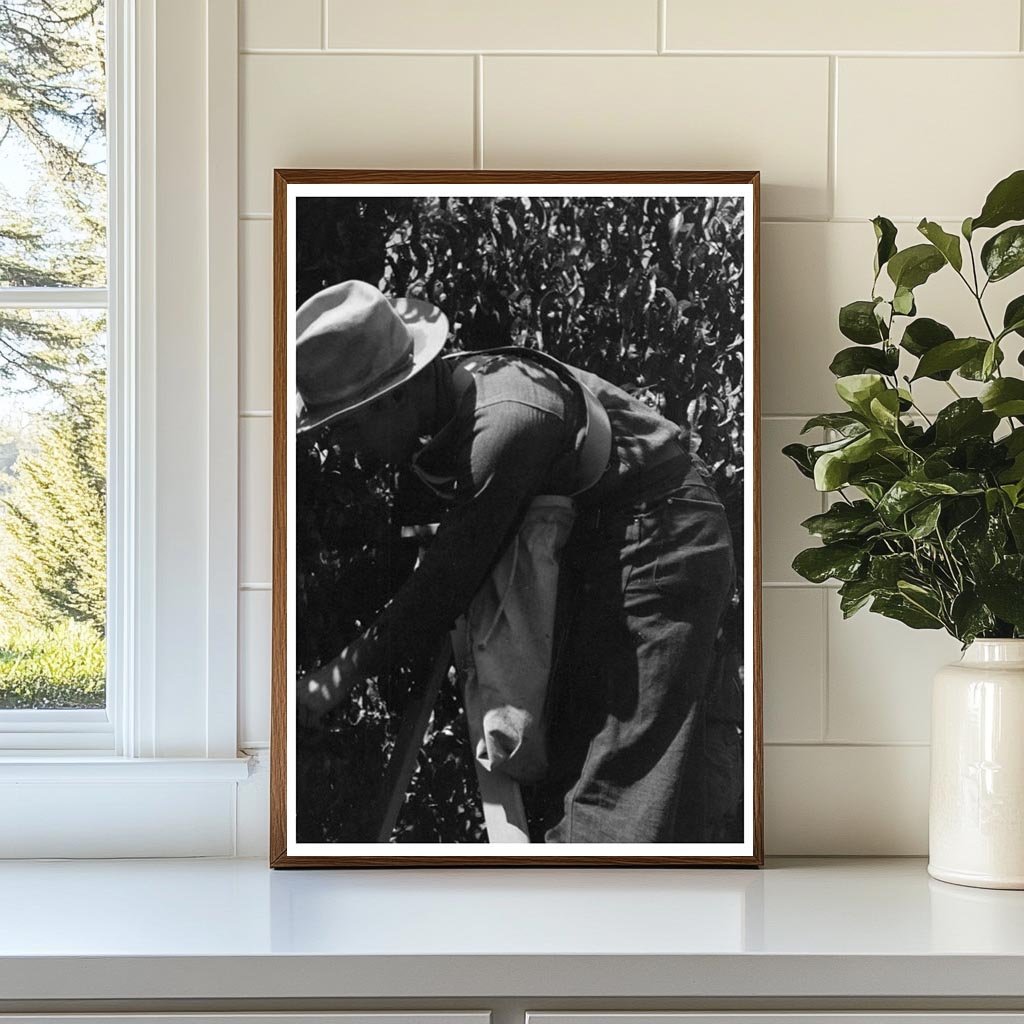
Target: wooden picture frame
x,y
287,848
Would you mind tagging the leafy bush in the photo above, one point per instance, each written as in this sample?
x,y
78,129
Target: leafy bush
x,y
53,544
645,292
60,667
936,537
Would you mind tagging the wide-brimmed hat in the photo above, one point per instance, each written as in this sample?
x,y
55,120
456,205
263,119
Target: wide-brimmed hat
x,y
353,345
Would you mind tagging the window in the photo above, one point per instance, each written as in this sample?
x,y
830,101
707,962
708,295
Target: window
x,y
53,370
154,761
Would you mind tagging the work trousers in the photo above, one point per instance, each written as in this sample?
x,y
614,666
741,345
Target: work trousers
x,y
647,585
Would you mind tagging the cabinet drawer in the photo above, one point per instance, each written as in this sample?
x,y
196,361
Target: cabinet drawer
x,y
852,1017
356,1017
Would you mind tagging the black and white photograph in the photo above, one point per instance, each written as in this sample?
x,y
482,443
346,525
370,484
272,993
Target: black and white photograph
x,y
515,558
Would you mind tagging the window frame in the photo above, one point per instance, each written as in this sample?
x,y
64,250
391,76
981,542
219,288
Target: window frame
x,y
59,730
167,774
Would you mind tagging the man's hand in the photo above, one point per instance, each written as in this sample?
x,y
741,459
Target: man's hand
x,y
327,687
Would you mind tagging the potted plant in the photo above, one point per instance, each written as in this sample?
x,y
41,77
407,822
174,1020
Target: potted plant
x,y
926,524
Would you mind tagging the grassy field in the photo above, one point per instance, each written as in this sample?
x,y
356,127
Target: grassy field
x,y
62,667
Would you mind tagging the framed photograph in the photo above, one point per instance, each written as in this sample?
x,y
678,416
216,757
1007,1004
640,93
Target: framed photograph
x,y
516,613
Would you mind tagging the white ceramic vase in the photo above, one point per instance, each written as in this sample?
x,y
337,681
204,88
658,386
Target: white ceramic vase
x,y
976,814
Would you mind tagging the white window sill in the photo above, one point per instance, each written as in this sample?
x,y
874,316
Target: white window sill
x,y
79,767
79,806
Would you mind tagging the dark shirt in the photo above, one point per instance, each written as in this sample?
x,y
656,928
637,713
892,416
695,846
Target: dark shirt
x,y
510,430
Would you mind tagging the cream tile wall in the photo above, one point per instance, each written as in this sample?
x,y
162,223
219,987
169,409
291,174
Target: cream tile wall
x,y
906,109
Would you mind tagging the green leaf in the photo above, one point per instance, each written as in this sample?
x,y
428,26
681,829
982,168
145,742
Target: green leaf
x,y
854,594
831,471
966,417
885,409
897,607
885,237
924,334
970,617
974,368
964,482
1013,317
1005,202
863,447
949,355
840,561
842,521
872,491
858,389
1015,519
965,229
925,518
887,570
1006,599
799,455
832,420
912,267
991,360
906,494
903,302
947,244
1004,397
857,321
1003,254
817,450
849,361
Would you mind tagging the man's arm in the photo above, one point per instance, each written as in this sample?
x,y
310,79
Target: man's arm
x,y
511,454
511,450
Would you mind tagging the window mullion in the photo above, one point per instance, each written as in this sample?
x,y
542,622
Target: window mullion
x,y
53,298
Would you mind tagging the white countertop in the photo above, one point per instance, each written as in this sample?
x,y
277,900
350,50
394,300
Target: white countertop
x,y
234,929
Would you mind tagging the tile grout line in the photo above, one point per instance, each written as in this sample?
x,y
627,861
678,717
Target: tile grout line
x,y
846,744
1020,24
323,24
779,585
824,723
353,51
662,41
833,134
826,690
792,220
478,111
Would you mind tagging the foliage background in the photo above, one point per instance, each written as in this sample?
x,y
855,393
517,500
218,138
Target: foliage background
x,y
646,292
52,364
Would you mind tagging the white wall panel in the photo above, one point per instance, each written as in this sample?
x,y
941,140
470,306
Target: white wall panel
x,y
256,301
846,800
254,667
684,113
794,663
255,510
817,132
787,499
869,25
470,25
961,130
351,111
879,677
271,23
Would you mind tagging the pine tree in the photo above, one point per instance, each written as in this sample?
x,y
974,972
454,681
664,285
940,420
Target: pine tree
x,y
52,123
53,520
53,234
